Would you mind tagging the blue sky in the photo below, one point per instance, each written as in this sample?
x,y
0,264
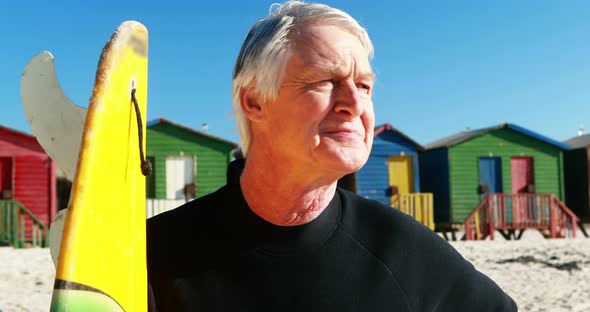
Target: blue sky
x,y
442,66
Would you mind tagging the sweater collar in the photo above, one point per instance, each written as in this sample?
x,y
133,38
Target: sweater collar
x,y
271,239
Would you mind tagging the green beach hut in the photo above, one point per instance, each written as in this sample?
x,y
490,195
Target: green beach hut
x,y
187,163
504,160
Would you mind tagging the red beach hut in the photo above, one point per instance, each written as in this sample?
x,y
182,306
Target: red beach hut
x,y
27,188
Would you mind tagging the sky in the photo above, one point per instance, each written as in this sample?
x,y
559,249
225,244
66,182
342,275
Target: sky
x,y
441,66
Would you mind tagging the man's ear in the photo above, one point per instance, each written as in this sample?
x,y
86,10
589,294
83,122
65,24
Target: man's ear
x,y
251,106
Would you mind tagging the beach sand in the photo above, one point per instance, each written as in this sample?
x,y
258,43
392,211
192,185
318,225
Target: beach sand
x,y
551,275
540,274
26,279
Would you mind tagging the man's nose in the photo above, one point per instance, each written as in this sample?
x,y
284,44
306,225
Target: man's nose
x,y
348,101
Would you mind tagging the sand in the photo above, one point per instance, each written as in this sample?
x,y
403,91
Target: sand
x,y
541,275
26,279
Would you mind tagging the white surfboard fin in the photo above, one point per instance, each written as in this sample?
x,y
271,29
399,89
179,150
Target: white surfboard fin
x,y
55,120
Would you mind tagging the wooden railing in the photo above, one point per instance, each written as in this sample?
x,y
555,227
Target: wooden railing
x,y
417,205
18,226
477,225
519,212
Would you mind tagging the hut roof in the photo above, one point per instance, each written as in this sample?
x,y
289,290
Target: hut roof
x,y
24,139
578,141
159,121
468,135
27,135
388,127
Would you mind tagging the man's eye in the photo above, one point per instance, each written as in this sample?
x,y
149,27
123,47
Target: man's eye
x,y
327,82
324,84
364,88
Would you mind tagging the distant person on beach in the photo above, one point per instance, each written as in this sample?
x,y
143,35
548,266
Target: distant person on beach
x,y
235,167
284,237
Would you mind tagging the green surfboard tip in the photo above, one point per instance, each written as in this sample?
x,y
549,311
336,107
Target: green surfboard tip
x,y
67,300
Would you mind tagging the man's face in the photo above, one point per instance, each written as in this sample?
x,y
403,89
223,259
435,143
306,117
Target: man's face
x,y
323,117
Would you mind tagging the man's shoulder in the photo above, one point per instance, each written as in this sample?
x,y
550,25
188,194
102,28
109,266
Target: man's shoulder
x,y
385,230
419,259
169,233
362,213
189,212
192,220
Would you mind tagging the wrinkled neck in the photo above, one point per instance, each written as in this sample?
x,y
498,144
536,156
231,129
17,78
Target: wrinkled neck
x,y
283,195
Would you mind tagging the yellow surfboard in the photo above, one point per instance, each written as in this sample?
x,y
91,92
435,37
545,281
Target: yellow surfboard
x,y
102,262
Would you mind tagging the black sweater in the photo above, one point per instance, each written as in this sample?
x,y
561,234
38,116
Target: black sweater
x,y
215,254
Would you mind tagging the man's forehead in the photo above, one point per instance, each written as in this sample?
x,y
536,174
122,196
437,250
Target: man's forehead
x,y
336,69
327,39
314,53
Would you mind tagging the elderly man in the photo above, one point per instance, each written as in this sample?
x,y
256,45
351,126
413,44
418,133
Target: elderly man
x,y
285,238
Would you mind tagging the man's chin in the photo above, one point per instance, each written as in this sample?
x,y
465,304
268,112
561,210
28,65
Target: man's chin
x,y
350,164
345,160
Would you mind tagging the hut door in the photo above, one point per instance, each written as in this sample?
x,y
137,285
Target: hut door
x,y
401,176
521,169
180,172
490,175
5,176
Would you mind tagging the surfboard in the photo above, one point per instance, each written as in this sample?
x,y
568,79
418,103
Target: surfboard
x,y
102,262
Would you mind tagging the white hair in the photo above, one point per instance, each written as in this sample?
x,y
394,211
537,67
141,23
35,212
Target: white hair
x,y
263,57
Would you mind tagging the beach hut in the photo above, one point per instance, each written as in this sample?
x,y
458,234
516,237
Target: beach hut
x,y
187,163
577,176
519,169
27,188
391,174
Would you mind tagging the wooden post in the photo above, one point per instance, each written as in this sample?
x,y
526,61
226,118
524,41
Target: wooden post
x,y
46,239
490,217
8,222
14,227
38,235
574,226
418,208
2,221
22,235
552,221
